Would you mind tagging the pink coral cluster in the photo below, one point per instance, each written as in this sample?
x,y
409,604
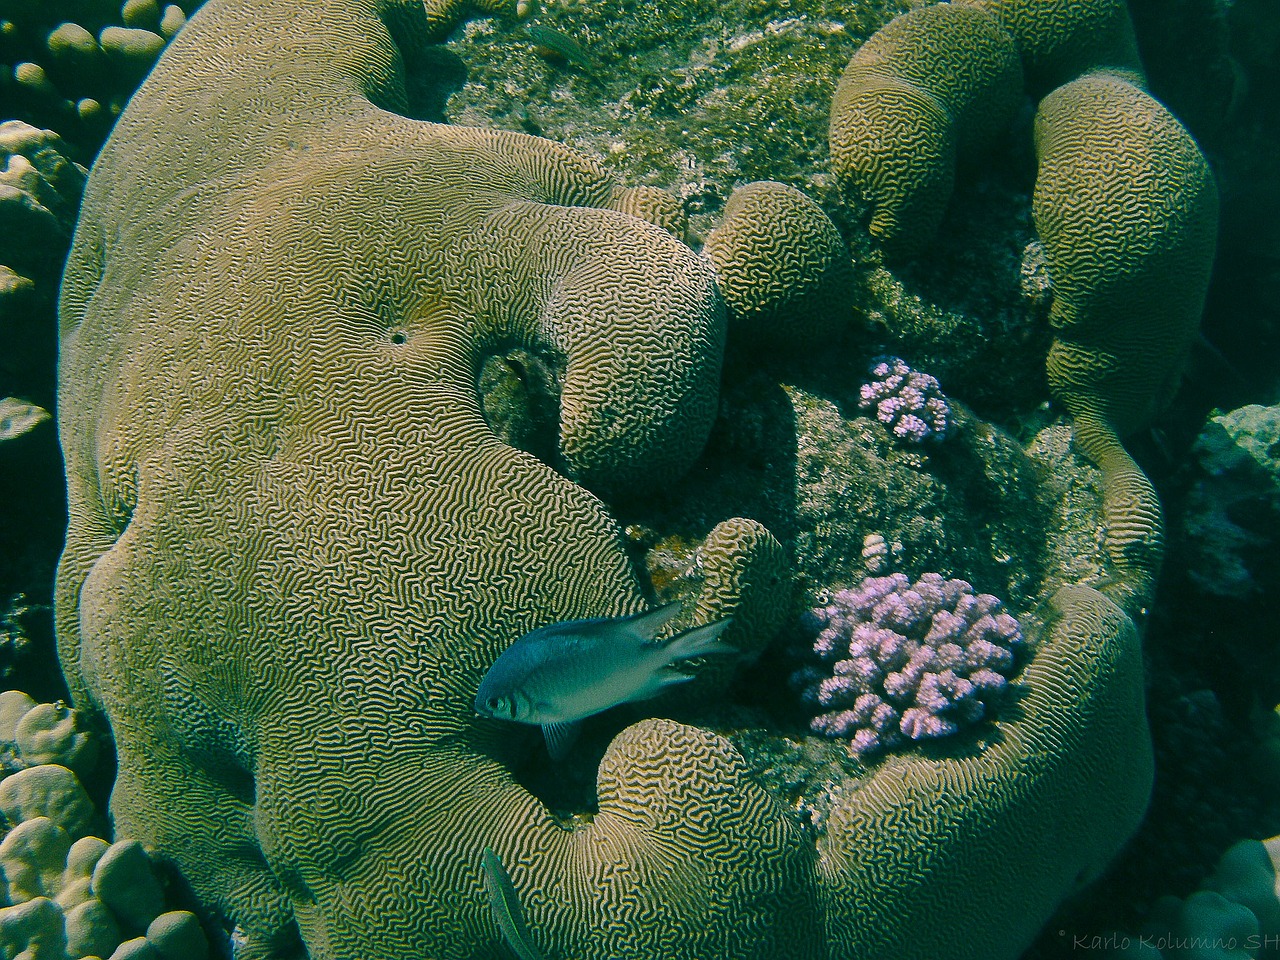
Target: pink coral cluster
x,y
908,402
901,661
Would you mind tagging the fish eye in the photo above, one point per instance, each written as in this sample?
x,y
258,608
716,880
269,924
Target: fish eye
x,y
499,706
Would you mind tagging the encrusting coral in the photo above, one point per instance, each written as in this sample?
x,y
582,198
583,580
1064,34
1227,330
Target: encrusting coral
x,y
40,190
1235,913
65,894
75,64
39,198
296,545
1124,204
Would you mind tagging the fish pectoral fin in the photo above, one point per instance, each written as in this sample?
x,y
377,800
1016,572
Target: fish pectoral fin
x,y
560,737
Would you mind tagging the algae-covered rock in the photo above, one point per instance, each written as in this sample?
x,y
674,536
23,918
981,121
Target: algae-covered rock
x,y
1232,518
698,97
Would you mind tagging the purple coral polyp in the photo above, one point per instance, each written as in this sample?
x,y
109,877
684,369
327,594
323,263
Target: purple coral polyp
x,y
898,661
908,402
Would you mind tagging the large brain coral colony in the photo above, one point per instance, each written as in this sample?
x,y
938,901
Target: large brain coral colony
x,y
1124,204
283,591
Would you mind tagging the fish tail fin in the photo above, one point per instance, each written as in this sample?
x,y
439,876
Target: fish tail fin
x,y
700,641
649,624
666,676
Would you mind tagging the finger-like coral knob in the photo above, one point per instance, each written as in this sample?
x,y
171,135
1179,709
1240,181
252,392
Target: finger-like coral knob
x,y
782,267
933,84
1127,210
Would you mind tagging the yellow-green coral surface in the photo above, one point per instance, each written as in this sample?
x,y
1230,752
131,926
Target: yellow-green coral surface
x,y
1127,209
930,86
295,546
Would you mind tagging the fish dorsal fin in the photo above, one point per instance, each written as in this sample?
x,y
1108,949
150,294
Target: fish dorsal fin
x,y
506,907
649,624
560,737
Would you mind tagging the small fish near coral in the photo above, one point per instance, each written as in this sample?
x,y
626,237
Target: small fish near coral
x,y
505,906
560,674
555,45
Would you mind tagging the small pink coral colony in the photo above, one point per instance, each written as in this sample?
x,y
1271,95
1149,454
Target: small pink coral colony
x,y
901,661
908,402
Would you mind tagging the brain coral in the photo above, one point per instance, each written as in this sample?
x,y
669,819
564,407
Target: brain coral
x,y
941,82
928,87
1124,204
1129,254
1060,40
783,268
295,545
